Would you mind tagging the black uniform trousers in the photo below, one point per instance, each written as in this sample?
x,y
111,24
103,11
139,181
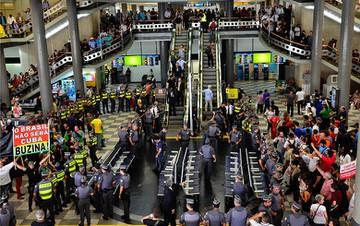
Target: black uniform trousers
x,y
125,198
98,107
169,218
113,103
105,105
93,157
31,189
48,205
69,185
148,130
121,104
234,147
107,202
127,103
84,208
60,193
207,168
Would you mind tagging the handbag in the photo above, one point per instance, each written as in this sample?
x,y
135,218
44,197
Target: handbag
x,y
311,220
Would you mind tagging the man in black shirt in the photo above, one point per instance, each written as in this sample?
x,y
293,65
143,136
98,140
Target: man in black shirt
x,y
153,219
275,108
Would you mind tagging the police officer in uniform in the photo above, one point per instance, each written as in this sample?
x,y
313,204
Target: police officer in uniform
x,y
134,138
70,169
208,154
265,206
184,137
98,100
190,217
121,98
234,139
149,124
296,218
97,192
123,138
106,185
169,203
240,189
92,144
124,193
11,209
237,215
83,194
105,101
113,100
44,192
213,134
215,217
128,96
60,186
4,214
277,204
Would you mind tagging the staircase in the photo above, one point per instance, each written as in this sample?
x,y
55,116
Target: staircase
x,y
176,122
209,74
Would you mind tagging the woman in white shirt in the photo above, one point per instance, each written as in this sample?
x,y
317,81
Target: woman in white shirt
x,y
318,211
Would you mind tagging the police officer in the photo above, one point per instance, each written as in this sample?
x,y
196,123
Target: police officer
x,y
184,137
121,98
78,175
213,134
98,100
169,203
83,194
296,218
60,186
105,101
277,204
149,124
44,192
240,189
237,215
70,169
124,193
123,138
106,185
190,217
134,138
265,206
215,217
97,192
208,154
113,100
11,209
128,96
234,139
159,153
4,215
92,144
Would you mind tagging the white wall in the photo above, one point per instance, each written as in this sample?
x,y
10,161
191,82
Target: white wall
x,y
249,44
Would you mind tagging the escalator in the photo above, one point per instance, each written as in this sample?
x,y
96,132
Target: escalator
x,y
176,122
209,73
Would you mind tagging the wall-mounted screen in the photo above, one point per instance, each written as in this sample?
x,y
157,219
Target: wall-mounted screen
x,y
262,58
133,60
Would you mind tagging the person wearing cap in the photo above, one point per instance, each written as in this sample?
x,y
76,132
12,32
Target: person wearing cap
x,y
106,185
70,168
159,154
234,139
169,203
40,219
190,217
240,189
77,182
124,192
60,186
83,193
213,134
149,124
44,191
296,217
270,165
184,137
134,138
238,215
4,215
260,219
92,144
208,154
153,219
277,205
215,217
265,206
123,137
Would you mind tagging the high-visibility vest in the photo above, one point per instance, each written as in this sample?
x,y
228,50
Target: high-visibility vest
x,y
45,190
63,115
54,180
122,94
104,96
143,93
128,95
112,95
97,98
137,93
93,142
71,167
60,175
237,109
84,153
79,159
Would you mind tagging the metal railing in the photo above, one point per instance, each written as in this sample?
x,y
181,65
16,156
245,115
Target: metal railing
x,y
239,24
201,74
219,97
331,55
153,26
170,69
188,100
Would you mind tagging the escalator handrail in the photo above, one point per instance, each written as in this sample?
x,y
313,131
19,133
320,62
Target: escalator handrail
x,y
170,69
219,96
188,106
201,74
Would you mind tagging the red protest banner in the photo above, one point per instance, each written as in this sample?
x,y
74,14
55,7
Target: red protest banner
x,y
31,139
347,170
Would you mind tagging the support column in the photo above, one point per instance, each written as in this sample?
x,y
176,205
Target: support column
x,y
4,88
133,8
124,8
141,8
317,45
38,27
345,54
75,46
98,78
161,10
164,57
229,47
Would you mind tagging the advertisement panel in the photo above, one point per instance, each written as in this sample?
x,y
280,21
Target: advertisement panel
x,y
347,170
31,139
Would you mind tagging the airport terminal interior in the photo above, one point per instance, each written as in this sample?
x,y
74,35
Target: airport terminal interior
x,y
179,112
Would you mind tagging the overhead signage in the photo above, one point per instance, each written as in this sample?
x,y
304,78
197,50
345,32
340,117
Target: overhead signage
x,y
31,139
232,93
